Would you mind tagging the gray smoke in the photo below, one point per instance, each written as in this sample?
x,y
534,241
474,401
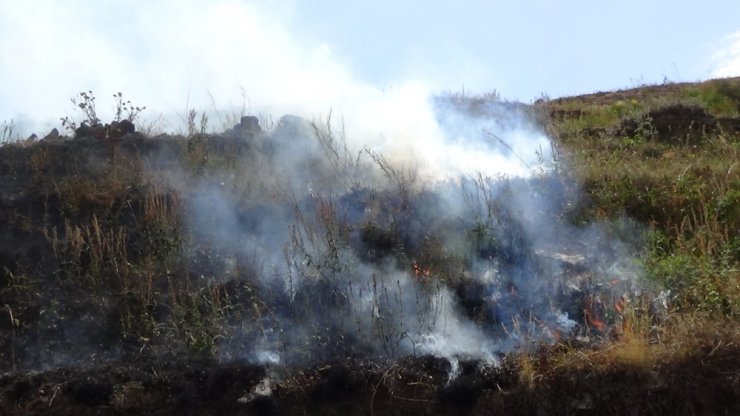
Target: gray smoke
x,y
457,248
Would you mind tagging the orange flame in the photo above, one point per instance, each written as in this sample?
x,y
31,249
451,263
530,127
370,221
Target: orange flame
x,y
591,318
422,274
619,305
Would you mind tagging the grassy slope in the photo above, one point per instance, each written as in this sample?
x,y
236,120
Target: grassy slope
x,y
106,237
684,184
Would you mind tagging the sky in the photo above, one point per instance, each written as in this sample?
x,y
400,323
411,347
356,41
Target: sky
x,y
310,57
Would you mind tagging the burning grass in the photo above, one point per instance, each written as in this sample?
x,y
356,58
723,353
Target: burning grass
x,y
324,278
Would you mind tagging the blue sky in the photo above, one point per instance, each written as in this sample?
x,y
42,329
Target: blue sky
x,y
307,57
524,48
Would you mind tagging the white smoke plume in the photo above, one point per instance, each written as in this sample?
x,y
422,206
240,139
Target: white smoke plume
x,y
727,58
359,250
219,57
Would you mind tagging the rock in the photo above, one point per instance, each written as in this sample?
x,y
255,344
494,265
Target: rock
x,y
97,131
248,127
118,129
249,124
292,128
126,127
53,135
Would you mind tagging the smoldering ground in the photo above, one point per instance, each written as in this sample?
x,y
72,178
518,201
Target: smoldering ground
x,y
455,244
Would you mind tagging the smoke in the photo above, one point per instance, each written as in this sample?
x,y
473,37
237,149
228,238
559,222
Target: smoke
x,y
374,222
446,234
727,57
165,55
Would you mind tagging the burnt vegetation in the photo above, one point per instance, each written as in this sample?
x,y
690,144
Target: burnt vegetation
x,y
272,269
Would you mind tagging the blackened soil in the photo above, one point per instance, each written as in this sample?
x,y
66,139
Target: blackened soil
x,y
186,388
704,382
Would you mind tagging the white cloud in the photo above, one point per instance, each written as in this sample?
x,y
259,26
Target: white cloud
x,y
160,54
171,54
166,55
727,59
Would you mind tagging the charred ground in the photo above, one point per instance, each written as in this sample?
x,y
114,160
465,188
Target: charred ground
x,y
111,303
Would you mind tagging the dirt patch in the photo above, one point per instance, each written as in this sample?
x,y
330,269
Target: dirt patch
x,y
676,124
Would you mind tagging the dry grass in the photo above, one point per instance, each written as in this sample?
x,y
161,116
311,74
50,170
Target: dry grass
x,y
91,252
686,193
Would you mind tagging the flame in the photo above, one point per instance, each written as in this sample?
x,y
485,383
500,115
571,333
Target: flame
x,y
551,330
619,305
422,274
591,318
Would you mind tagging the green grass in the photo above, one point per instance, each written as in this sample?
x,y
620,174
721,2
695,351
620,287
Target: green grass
x,y
686,194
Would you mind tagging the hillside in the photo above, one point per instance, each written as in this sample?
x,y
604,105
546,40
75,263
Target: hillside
x,y
277,269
